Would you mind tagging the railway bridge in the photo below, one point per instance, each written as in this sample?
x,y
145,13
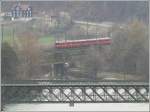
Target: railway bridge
x,y
62,91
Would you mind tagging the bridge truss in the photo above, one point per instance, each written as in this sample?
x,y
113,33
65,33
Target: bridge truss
x,y
100,92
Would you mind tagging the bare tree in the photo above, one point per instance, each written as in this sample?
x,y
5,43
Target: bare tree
x,y
129,49
94,61
29,55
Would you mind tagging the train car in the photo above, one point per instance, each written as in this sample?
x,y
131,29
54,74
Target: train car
x,y
82,42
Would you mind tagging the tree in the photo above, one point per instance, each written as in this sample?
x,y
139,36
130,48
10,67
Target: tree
x,y
9,63
129,49
94,61
30,55
138,38
64,22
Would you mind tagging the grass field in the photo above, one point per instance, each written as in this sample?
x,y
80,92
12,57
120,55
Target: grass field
x,y
46,40
9,37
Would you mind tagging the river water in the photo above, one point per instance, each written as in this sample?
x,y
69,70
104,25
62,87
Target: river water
x,y
79,107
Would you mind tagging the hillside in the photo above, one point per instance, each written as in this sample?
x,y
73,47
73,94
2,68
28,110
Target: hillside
x,y
98,11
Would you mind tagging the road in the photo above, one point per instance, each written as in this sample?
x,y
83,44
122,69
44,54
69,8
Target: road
x,y
104,24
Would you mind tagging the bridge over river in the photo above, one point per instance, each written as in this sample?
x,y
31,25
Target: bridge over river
x,y
62,91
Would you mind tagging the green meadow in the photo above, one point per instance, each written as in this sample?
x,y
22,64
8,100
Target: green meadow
x,y
9,36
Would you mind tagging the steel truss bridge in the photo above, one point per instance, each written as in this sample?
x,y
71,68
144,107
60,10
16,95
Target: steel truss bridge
x,y
75,92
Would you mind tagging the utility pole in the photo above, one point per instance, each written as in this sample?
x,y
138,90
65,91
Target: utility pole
x,y
87,28
13,36
2,29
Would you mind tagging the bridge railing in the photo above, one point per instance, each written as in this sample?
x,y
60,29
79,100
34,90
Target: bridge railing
x,y
75,92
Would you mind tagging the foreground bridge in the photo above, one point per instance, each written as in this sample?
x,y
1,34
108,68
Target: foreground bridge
x,y
75,92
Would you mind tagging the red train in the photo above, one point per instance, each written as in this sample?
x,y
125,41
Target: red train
x,y
82,43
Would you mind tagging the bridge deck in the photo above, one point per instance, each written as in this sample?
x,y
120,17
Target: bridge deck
x,y
71,83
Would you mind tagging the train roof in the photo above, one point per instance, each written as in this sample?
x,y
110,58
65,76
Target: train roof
x,y
81,40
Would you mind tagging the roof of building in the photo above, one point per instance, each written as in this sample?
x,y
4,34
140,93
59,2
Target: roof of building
x,y
23,6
